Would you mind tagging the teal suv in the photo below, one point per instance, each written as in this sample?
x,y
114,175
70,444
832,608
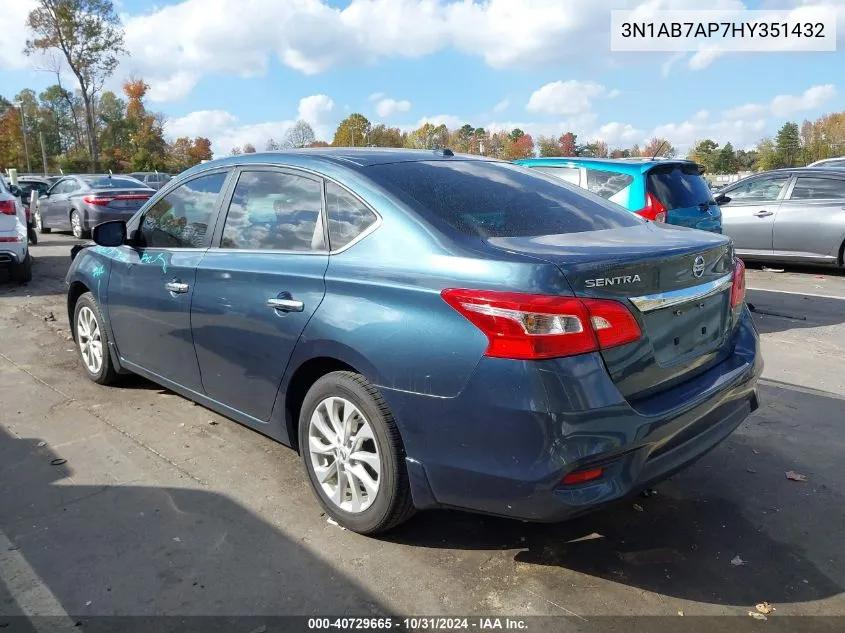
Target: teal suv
x,y
662,190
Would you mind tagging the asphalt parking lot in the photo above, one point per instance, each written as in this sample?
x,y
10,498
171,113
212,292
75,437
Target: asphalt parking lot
x,y
134,501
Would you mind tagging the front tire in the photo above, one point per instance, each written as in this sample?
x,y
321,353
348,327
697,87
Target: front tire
x,y
22,271
353,454
79,230
39,223
92,340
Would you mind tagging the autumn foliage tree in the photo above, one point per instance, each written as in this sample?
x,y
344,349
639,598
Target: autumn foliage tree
x,y
568,144
520,147
658,146
89,36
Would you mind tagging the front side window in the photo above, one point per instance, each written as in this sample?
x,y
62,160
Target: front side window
x,y
182,217
807,188
348,217
607,183
761,189
272,210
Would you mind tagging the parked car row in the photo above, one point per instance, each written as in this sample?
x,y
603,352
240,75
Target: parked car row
x,y
661,190
790,215
429,329
78,203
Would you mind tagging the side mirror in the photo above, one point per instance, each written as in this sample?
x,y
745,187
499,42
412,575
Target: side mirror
x,y
722,199
46,194
15,191
110,233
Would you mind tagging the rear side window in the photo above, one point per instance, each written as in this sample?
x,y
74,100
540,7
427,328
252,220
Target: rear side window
x,y
607,183
490,199
679,186
571,175
348,217
272,210
807,188
181,218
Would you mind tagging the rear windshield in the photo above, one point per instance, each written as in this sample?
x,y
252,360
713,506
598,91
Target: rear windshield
x,y
115,182
679,186
490,199
27,187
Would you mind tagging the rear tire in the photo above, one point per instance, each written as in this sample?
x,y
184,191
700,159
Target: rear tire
x,y
92,340
79,230
346,402
22,271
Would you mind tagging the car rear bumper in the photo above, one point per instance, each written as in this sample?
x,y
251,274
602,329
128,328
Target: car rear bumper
x,y
505,443
10,257
98,216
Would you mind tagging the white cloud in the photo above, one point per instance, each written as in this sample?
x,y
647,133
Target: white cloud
x,y
389,107
704,57
781,106
565,97
503,105
667,65
315,109
225,130
14,33
815,97
614,93
375,96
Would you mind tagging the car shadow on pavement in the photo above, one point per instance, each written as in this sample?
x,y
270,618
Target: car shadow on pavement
x,y
778,312
138,550
731,530
48,274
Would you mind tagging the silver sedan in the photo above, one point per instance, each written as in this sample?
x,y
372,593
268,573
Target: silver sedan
x,y
787,215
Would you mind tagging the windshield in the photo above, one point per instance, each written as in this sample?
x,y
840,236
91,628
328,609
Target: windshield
x,y
114,182
492,199
679,186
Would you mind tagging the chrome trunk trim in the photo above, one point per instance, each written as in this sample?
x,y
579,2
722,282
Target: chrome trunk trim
x,y
658,301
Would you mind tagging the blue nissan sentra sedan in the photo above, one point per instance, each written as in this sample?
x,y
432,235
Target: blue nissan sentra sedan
x,y
427,329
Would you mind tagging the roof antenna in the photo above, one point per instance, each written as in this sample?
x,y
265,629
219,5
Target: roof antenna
x,y
110,174
61,171
659,148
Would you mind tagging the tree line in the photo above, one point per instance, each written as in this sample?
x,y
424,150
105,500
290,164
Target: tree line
x,y
83,128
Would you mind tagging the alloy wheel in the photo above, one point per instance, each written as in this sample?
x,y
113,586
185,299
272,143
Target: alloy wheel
x,y
76,224
344,454
89,340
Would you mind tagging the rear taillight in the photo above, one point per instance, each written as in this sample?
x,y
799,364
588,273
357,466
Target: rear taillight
x,y
582,476
738,286
102,201
11,239
653,210
528,327
7,207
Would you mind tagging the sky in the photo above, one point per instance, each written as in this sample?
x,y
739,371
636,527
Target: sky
x,y
239,71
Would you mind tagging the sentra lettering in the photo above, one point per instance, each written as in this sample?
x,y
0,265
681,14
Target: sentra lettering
x,y
612,281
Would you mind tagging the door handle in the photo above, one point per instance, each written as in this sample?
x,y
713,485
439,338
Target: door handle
x,y
763,214
286,305
177,287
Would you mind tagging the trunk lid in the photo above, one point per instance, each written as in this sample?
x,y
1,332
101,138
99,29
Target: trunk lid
x,y
119,200
676,283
